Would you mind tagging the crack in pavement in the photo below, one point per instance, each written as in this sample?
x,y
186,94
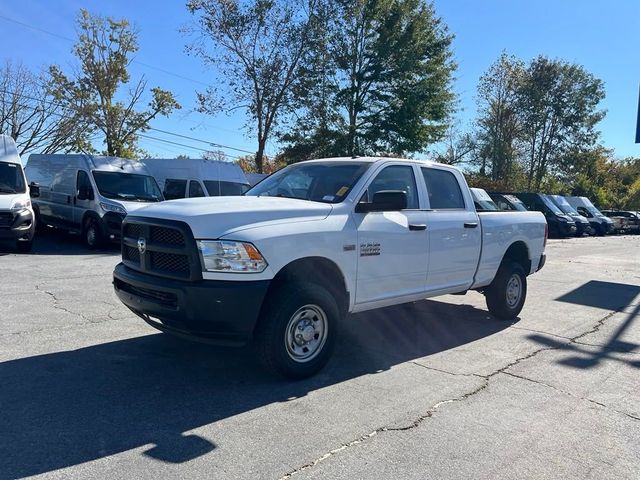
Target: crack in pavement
x,y
56,305
432,410
565,392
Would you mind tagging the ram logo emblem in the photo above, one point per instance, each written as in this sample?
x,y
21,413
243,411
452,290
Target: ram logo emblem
x,y
142,245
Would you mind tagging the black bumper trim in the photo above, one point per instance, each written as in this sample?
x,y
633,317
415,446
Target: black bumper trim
x,y
22,227
222,312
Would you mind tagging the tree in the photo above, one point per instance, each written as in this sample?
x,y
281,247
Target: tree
x,y
257,46
104,48
456,148
30,115
247,164
386,70
557,105
498,125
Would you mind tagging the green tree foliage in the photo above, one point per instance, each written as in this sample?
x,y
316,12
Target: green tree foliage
x,y
532,116
498,125
257,46
104,48
379,80
557,103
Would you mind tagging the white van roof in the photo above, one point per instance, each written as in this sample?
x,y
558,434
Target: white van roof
x,y
195,168
91,162
8,150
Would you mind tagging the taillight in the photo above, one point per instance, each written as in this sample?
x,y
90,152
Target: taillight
x,y
546,234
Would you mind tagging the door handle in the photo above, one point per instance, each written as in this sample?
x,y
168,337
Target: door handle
x,y
470,224
417,227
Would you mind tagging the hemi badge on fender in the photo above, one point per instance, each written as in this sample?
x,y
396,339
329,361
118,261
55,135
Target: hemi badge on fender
x,y
348,248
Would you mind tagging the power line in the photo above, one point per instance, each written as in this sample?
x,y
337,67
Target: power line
x,y
211,144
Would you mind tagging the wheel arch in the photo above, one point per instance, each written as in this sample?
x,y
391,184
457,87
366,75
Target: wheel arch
x,y
518,252
319,270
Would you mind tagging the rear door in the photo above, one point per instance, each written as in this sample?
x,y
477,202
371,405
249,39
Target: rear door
x,y
454,231
392,247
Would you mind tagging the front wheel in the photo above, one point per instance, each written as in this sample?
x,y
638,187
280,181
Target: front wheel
x,y
24,246
296,333
506,295
91,233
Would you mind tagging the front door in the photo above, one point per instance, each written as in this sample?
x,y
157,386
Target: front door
x,y
392,247
454,232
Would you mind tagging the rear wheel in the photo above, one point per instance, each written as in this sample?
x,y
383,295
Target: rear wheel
x,y
297,329
506,295
91,234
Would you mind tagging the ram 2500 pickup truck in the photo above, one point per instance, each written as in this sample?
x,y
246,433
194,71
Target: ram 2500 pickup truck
x,y
282,265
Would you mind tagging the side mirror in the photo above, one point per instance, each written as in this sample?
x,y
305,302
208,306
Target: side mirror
x,y
384,201
34,190
85,193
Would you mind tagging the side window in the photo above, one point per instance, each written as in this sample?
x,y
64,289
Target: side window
x,y
195,189
396,177
174,188
443,188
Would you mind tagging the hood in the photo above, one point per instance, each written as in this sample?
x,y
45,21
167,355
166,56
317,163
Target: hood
x,y
215,217
579,218
7,199
131,207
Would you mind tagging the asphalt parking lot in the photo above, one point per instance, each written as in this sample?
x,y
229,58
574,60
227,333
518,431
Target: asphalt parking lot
x,y
436,389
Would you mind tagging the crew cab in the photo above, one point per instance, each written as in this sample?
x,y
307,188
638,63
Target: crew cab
x,y
283,264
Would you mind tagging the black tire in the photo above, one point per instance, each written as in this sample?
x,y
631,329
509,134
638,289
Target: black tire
x,y
24,246
500,297
91,234
281,319
600,231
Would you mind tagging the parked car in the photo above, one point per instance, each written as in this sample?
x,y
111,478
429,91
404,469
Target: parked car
x,y
89,194
582,223
483,201
284,263
560,224
17,220
628,222
508,202
197,177
600,224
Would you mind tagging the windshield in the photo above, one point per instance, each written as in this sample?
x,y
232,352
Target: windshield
x,y
327,182
550,205
127,186
564,205
591,207
11,178
219,188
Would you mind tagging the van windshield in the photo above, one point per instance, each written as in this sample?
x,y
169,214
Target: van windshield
x,y
327,182
564,205
11,178
550,205
127,186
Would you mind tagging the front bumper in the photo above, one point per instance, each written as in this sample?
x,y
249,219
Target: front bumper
x,y
582,228
21,228
566,229
221,312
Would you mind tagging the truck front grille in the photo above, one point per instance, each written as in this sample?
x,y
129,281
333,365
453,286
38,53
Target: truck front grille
x,y
160,247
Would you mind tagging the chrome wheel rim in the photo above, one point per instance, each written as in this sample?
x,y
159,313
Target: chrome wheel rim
x,y
306,333
514,290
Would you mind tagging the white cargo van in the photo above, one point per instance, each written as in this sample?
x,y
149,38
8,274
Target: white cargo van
x,y
17,220
600,224
197,177
89,194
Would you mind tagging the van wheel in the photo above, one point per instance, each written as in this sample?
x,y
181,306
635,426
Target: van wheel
x,y
506,295
91,234
296,332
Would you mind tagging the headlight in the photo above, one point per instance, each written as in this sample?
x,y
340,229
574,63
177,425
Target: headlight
x,y
20,205
224,256
113,208
563,219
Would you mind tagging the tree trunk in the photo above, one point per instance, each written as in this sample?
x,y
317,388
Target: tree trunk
x,y
260,155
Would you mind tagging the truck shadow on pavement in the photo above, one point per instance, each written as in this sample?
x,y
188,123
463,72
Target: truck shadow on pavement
x,y
616,297
70,407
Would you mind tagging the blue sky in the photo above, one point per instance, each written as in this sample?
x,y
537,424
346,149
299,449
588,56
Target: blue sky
x,y
602,36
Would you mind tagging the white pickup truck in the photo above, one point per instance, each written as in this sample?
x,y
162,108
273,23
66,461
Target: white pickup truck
x,y
282,265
